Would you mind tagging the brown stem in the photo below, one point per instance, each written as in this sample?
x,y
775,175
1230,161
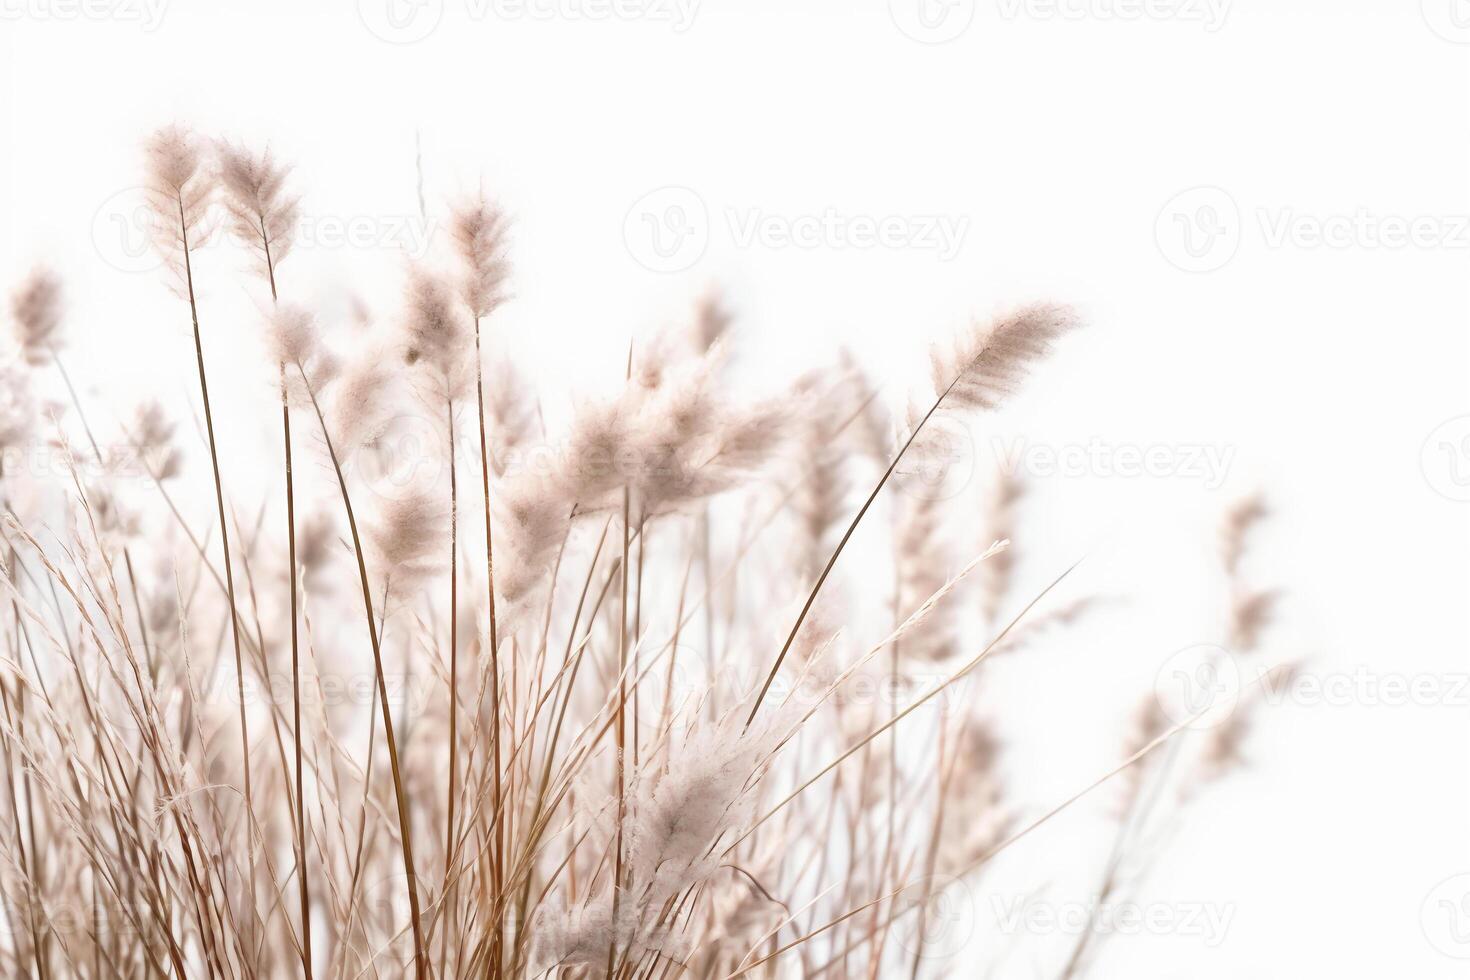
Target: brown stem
x,y
301,876
821,579
498,859
617,882
405,823
450,835
219,500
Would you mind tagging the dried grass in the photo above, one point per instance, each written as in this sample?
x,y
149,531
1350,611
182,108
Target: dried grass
x,y
512,764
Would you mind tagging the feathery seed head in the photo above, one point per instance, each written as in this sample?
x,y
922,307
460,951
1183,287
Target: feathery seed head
x,y
1240,520
173,158
362,403
533,515
435,332
924,558
253,195
695,801
479,231
36,306
112,519
510,407
988,363
408,536
1000,523
1149,721
582,935
293,335
1250,614
17,412
153,438
315,537
178,194
711,321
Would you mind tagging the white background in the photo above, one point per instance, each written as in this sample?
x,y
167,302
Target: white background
x,y
1069,140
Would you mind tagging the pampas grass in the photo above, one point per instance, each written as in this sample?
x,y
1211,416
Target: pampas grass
x,y
36,309
627,732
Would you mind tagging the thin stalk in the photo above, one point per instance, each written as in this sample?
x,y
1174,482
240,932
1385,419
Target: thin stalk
x,y
301,875
637,628
219,500
450,836
498,856
837,552
946,772
1133,819
405,822
301,871
617,882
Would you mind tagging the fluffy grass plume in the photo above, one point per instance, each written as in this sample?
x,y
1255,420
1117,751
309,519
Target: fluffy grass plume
x,y
602,711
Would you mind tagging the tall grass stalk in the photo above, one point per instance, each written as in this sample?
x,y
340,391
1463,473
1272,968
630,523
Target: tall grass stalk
x,y
708,709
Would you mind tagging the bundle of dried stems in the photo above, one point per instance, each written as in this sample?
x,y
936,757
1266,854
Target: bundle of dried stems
x,y
460,729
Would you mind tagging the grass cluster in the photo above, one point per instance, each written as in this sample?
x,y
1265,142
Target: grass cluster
x,y
595,712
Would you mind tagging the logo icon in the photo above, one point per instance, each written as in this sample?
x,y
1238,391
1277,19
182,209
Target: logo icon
x,y
1199,229
1450,19
406,459
400,21
126,712
940,463
123,232
1198,686
1445,459
932,21
667,230
1445,916
683,674
387,911
943,922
